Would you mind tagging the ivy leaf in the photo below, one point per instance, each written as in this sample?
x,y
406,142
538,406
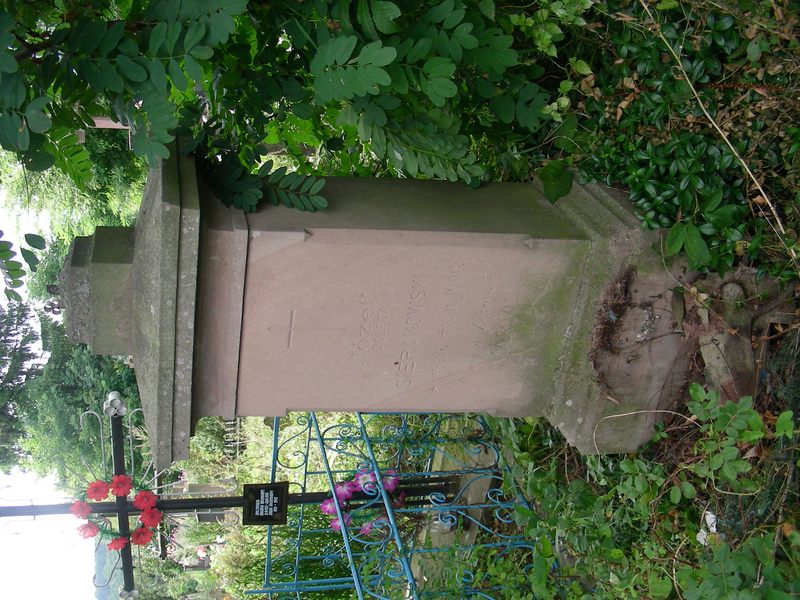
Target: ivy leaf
x,y
530,102
556,179
784,426
494,52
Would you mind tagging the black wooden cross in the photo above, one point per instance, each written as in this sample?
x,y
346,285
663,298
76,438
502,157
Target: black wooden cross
x,y
262,504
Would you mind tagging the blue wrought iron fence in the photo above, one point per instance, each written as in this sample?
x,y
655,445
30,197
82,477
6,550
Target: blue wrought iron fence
x,y
416,505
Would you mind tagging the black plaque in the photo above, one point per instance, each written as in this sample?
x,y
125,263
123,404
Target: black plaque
x,y
265,503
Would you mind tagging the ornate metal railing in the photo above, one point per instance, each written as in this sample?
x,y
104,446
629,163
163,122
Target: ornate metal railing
x,y
431,508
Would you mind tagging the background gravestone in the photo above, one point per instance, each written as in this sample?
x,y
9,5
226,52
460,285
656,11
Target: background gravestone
x,y
402,296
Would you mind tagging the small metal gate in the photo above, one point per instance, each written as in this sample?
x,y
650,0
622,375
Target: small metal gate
x,y
417,508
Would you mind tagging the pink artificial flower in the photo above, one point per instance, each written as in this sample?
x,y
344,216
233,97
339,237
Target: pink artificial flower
x,y
400,500
144,499
121,485
345,491
141,536
201,552
97,490
391,480
80,509
366,479
328,507
117,543
366,528
337,526
88,530
151,517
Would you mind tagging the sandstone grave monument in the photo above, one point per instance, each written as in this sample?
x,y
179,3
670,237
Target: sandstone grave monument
x,y
403,295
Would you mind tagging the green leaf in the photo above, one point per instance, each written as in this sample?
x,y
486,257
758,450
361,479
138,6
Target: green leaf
x,y
530,102
440,12
503,107
193,36
676,238
38,160
438,89
30,258
8,63
754,49
660,587
667,5
688,490
439,67
675,494
365,20
130,69
176,75
202,52
784,426
420,50
582,68
696,248
112,37
38,122
556,179
35,241
157,36
487,8
376,54
194,70
158,76
565,134
384,14
13,295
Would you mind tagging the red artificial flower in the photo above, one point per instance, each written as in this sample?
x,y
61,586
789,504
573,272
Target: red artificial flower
x,y
121,485
97,490
88,530
117,543
141,536
151,517
144,499
80,509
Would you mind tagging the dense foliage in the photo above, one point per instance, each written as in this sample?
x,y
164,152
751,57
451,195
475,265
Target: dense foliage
x,y
708,510
464,90
650,134
43,402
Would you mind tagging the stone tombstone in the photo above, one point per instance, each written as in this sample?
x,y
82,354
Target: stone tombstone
x,y
403,295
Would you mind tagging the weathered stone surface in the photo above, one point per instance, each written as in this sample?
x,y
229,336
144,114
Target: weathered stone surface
x,y
402,296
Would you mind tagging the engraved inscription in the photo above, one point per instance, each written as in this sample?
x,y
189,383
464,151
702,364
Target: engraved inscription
x,y
412,328
453,298
373,325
